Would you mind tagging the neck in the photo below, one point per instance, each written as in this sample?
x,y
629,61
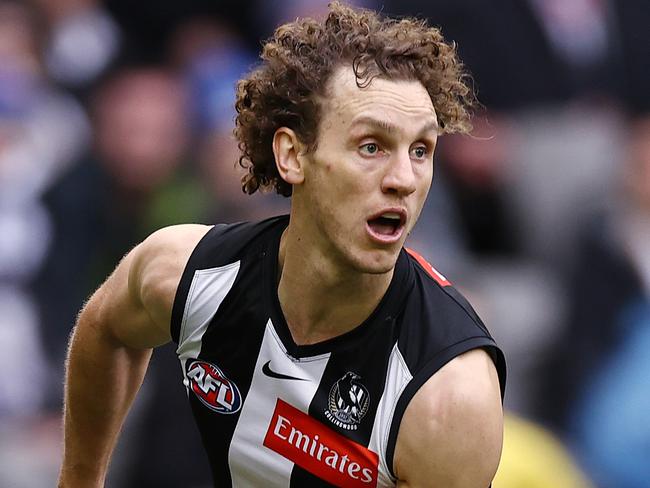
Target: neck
x,y
321,297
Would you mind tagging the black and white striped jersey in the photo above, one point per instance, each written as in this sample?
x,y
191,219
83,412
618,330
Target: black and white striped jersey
x,y
275,414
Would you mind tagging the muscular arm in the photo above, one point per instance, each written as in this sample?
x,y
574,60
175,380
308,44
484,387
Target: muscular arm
x,y
452,431
111,346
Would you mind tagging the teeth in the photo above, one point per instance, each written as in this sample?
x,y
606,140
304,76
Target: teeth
x,y
391,215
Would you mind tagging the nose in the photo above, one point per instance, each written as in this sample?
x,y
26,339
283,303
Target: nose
x,y
399,177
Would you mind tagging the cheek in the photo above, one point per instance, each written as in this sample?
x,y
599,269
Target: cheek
x,y
338,203
427,177
424,178
338,183
424,185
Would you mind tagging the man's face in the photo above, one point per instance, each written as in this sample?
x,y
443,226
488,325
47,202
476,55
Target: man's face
x,y
367,181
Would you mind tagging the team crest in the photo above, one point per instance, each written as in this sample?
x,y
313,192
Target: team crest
x,y
348,402
212,387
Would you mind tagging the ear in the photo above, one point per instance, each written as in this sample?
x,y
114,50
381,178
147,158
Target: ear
x,y
288,158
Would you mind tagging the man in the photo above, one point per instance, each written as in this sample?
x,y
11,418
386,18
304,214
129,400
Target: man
x,y
314,349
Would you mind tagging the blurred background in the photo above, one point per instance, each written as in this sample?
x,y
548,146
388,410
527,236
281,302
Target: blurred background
x,y
116,118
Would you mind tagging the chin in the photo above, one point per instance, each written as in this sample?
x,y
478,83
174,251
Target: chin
x,y
376,262
380,270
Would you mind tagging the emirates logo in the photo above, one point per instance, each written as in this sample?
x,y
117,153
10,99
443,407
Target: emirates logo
x,y
348,402
319,449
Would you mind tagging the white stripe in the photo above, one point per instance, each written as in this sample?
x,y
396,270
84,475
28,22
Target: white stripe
x,y
208,289
252,464
397,377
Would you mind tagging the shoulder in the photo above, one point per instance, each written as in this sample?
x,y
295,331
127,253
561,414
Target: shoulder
x,y
171,243
167,250
134,304
157,265
452,430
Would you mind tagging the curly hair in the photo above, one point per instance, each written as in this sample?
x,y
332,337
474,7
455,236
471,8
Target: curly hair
x,y
298,61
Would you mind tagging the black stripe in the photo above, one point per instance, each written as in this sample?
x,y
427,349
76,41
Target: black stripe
x,y
304,479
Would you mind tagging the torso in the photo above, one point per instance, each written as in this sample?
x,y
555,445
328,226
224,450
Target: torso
x,y
276,414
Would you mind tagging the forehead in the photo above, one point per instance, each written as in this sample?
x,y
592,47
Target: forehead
x,y
395,101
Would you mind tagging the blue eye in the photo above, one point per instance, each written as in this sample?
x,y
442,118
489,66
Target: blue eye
x,y
420,152
371,148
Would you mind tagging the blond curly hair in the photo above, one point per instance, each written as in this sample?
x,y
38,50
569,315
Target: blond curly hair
x,y
298,61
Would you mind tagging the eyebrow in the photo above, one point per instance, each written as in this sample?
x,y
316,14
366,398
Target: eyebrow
x,y
389,127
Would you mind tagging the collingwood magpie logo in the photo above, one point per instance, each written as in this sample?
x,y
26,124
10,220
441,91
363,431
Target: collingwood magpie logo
x,y
348,402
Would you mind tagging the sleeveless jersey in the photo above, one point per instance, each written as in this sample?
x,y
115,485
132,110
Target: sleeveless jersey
x,y
275,414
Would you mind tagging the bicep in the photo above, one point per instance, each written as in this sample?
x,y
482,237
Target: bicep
x,y
452,431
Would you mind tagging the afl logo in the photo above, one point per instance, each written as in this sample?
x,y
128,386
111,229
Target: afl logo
x,y
348,402
212,387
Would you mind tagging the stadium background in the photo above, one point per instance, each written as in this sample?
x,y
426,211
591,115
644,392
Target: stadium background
x,y
116,119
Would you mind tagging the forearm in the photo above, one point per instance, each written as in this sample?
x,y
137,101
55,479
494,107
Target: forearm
x,y
102,379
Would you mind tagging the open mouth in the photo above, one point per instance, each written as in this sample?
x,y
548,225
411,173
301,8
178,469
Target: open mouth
x,y
387,226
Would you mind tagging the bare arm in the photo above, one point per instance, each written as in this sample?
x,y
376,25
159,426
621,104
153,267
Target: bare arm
x,y
452,431
111,346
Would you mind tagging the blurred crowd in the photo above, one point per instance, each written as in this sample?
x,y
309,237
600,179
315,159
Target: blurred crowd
x,y
116,119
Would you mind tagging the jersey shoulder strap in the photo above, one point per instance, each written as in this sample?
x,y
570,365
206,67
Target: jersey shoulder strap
x,y
438,323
